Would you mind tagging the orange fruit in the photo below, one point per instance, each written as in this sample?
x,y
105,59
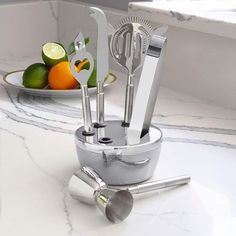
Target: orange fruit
x,y
80,66
60,77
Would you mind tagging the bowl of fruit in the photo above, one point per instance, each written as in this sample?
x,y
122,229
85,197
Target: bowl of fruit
x,y
53,77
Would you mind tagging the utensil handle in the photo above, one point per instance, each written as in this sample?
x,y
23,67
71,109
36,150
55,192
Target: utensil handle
x,y
159,184
86,109
100,103
129,97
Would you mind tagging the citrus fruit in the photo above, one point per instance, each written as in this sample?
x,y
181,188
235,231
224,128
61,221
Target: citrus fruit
x,y
60,77
92,82
82,65
35,76
53,53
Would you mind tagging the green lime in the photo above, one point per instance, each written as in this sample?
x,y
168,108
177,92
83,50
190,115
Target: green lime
x,y
92,82
53,53
35,76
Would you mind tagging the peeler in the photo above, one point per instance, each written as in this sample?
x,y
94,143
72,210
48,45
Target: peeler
x,y
82,77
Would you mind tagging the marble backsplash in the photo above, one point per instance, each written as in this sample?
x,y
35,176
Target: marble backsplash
x,y
202,65
201,51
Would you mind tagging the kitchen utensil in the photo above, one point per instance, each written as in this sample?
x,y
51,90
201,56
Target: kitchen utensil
x,y
155,185
116,204
113,159
147,90
82,77
102,60
128,46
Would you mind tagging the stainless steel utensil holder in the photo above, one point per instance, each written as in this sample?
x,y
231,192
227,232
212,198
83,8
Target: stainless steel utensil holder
x,y
118,163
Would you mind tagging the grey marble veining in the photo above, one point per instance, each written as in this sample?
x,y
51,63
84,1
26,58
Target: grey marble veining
x,y
64,190
44,104
180,17
45,154
202,142
28,121
198,129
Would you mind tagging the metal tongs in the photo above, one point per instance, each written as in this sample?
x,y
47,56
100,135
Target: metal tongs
x,y
147,90
82,77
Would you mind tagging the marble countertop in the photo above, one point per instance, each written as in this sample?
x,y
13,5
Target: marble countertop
x,y
215,17
38,158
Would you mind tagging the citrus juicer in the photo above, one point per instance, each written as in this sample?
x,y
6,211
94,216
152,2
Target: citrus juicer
x,y
82,77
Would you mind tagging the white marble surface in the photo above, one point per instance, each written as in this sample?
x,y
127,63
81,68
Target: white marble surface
x,y
212,16
38,157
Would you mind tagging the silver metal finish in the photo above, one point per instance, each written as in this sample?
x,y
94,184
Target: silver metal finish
x,y
128,47
86,186
84,183
116,204
102,59
147,90
86,109
117,162
159,184
160,31
100,103
82,77
158,52
129,97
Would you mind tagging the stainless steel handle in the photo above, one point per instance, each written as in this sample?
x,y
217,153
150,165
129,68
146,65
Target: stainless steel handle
x,y
129,97
135,163
100,103
86,109
110,156
159,184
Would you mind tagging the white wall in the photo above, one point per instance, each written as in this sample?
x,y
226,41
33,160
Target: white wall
x,y
25,27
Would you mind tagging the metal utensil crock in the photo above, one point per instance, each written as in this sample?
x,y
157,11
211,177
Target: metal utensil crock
x,y
118,163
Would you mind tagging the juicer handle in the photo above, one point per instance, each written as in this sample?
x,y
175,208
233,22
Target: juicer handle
x,y
159,184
